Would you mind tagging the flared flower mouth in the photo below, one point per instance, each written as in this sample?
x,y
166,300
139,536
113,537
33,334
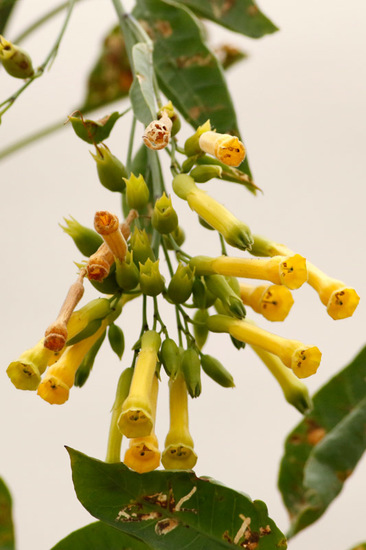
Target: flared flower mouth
x,y
293,272
342,303
178,457
53,390
135,422
276,302
24,376
305,361
143,454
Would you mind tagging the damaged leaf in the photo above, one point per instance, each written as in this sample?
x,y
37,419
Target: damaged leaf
x,y
173,509
93,131
323,450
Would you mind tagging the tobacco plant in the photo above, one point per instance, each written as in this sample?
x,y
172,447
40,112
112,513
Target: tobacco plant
x,y
157,63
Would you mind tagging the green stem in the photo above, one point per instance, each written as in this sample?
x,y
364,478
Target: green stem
x,y
114,439
167,258
130,145
39,72
31,138
157,317
39,22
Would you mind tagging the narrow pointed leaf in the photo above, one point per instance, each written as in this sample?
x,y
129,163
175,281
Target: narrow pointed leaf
x,y
6,521
172,509
6,7
98,536
142,90
241,16
116,339
323,450
188,72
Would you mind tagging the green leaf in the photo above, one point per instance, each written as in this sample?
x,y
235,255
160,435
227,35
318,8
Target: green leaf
x,y
116,339
6,7
189,74
172,509
323,450
241,16
111,76
98,536
86,365
6,522
142,90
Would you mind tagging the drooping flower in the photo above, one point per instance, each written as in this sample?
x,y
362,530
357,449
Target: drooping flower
x,y
272,301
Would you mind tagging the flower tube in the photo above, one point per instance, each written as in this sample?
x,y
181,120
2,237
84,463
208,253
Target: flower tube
x,y
25,373
143,454
136,418
302,359
290,271
272,301
178,453
226,148
339,299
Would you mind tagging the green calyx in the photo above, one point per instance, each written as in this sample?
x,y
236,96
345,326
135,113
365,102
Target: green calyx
x,y
191,146
220,287
137,192
202,297
164,217
93,131
110,169
87,240
140,245
180,286
200,329
170,357
177,235
15,61
151,280
127,272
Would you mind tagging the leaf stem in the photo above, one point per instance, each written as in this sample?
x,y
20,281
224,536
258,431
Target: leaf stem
x,y
130,145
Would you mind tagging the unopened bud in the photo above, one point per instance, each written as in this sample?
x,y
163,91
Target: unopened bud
x,y
157,133
164,217
140,244
137,192
87,240
205,172
218,285
173,115
180,286
202,297
200,329
170,357
16,61
127,272
110,170
191,370
215,370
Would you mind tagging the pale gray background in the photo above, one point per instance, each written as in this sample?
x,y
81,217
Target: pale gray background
x,y
300,99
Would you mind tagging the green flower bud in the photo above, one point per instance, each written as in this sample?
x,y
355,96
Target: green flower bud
x,y
116,339
200,329
127,273
179,237
87,240
202,297
232,303
191,370
151,280
170,357
215,370
82,374
173,115
189,163
164,217
180,286
205,172
110,170
191,146
137,192
140,245
16,61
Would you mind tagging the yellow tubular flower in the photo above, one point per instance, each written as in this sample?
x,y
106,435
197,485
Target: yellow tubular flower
x,y
295,391
302,359
25,373
107,225
178,453
272,301
136,418
60,377
290,271
226,148
143,454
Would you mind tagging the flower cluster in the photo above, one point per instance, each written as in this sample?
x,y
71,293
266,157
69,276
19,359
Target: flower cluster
x,y
124,262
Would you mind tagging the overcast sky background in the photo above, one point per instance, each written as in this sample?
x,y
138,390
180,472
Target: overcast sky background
x,y
301,105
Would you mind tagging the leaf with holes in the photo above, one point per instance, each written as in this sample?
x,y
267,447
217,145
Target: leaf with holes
x,y
323,450
241,16
98,535
173,509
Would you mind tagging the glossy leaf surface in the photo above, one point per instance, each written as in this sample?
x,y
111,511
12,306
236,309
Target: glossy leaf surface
x,y
172,509
323,450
